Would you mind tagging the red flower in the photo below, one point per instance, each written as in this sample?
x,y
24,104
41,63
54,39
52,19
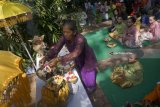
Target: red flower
x,y
70,72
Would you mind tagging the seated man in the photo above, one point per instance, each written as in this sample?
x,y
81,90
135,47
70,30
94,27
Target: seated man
x,y
119,28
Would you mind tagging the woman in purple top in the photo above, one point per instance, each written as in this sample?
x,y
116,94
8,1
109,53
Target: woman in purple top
x,y
131,34
80,52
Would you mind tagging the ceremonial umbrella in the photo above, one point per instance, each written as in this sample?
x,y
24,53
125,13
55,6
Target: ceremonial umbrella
x,y
12,13
14,85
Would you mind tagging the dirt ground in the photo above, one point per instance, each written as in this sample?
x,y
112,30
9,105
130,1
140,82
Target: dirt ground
x,y
98,99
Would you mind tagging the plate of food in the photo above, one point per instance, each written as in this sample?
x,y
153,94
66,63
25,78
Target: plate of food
x,y
112,35
107,39
55,82
111,44
71,77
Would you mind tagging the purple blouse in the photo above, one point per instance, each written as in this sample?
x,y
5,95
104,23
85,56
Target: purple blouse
x,y
80,52
132,35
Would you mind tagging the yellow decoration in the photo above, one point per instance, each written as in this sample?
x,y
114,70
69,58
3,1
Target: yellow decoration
x,y
12,13
11,73
53,98
138,23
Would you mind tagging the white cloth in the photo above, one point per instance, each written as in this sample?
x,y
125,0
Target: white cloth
x,y
63,51
31,70
146,36
38,58
106,16
80,99
143,37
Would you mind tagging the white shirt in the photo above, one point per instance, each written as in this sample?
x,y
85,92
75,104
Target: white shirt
x,y
146,36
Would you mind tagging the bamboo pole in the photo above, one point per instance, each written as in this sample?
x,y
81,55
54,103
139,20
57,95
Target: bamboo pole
x,y
24,45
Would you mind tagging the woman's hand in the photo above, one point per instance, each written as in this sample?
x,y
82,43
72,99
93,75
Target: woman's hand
x,y
53,62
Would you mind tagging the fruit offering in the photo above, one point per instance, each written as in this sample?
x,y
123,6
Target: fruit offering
x,y
71,77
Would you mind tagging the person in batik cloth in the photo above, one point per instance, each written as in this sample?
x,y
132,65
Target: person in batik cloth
x,y
80,52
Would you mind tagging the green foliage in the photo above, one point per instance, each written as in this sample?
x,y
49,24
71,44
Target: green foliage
x,y
48,16
11,43
98,17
